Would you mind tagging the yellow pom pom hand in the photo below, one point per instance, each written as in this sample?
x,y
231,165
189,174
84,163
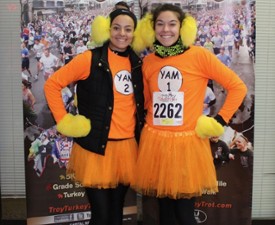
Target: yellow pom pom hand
x,y
207,127
74,125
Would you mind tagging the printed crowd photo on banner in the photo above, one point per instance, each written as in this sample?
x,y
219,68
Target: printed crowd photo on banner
x,y
55,32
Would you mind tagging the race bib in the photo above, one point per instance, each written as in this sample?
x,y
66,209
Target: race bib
x,y
168,108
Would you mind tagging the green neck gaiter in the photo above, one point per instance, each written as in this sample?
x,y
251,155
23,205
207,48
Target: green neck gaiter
x,y
172,50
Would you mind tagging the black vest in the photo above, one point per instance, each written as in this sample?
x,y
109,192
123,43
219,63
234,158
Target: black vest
x,y
96,99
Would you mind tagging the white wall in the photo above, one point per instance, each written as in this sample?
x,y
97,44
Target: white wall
x,y
11,121
264,156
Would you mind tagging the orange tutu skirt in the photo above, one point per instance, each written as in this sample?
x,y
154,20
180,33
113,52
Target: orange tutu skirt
x,y
174,164
98,171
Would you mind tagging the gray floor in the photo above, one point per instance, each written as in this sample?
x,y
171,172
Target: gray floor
x,y
13,212
14,209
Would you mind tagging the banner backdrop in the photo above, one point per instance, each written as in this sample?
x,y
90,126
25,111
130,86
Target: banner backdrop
x,y
51,196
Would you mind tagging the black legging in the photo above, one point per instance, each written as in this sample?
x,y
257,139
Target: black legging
x,y
180,211
107,205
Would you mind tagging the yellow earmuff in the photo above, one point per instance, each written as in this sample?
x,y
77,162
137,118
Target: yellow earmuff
x,y
100,30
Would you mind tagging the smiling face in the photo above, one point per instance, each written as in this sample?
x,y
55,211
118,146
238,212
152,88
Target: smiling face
x,y
167,28
241,144
122,33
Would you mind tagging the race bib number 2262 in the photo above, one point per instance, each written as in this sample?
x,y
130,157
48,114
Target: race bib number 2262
x,y
168,108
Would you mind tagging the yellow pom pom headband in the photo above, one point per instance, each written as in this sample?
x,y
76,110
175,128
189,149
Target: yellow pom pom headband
x,y
188,31
100,29
145,33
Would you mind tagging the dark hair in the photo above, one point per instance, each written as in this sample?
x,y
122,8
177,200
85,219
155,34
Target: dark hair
x,y
118,12
168,7
122,4
27,84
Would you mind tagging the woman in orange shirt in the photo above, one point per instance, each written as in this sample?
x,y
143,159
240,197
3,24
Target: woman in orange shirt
x,y
175,163
110,104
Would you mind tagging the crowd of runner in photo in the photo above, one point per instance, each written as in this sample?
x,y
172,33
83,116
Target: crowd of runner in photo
x,y
56,39
67,38
222,32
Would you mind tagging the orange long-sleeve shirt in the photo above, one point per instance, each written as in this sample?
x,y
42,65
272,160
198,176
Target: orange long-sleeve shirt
x,y
188,73
123,119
